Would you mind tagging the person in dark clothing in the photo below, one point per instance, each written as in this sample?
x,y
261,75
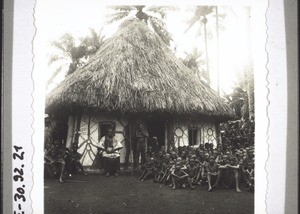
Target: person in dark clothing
x,y
73,161
141,136
130,145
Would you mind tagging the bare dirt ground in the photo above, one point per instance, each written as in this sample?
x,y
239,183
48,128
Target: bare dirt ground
x,y
95,194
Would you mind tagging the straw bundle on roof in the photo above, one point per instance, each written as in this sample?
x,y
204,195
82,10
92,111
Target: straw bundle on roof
x,y
135,72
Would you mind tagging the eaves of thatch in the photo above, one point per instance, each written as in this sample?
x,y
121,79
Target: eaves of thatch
x,y
135,72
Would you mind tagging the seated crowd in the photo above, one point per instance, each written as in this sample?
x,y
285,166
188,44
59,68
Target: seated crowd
x,y
190,166
178,167
227,165
60,161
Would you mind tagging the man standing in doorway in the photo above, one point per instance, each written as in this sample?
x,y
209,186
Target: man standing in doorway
x,y
129,144
141,135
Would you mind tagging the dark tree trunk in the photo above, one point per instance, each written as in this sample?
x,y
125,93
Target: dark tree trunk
x,y
218,50
204,21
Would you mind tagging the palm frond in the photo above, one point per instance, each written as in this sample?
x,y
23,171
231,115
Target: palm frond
x,y
59,46
199,12
135,72
67,40
161,10
65,44
190,23
55,58
117,16
54,74
139,7
204,10
78,52
122,8
97,38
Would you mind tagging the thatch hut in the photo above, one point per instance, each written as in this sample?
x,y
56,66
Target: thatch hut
x,y
134,77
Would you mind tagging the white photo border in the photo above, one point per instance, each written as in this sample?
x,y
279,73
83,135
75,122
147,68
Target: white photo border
x,y
27,98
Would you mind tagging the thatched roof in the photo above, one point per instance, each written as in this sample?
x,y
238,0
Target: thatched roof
x,y
135,72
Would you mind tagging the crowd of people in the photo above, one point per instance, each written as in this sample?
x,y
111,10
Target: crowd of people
x,y
61,161
229,164
190,166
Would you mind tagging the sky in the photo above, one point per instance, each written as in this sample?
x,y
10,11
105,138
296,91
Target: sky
x,y
55,18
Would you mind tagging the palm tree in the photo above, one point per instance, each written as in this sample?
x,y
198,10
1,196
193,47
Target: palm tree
x,y
67,55
218,48
152,15
71,56
238,100
195,62
219,26
92,42
200,16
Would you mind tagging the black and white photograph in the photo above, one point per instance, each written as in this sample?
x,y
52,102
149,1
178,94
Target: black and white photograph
x,y
149,108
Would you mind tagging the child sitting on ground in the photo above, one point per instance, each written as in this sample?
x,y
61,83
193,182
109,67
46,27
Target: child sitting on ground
x,y
169,169
72,161
179,176
158,162
233,169
249,176
148,170
162,171
204,159
223,160
193,169
55,160
213,173
199,161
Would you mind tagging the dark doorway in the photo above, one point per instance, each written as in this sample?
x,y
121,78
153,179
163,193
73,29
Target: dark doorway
x,y
103,127
156,127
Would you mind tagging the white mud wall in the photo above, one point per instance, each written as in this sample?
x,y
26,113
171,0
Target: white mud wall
x,y
88,145
206,133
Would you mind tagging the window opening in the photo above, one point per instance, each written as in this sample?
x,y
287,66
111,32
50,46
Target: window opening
x,y
193,133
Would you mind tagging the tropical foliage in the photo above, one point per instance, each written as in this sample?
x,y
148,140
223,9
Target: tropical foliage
x,y
134,72
69,55
200,18
238,100
200,13
242,97
195,62
153,15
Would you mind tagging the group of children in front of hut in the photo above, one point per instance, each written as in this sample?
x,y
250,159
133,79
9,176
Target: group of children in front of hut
x,y
60,160
188,166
